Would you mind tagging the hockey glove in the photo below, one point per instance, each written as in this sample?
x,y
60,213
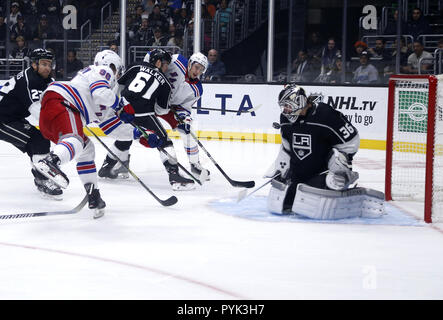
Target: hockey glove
x,y
185,121
153,141
125,112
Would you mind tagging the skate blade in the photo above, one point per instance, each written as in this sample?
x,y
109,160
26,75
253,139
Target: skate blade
x,y
98,213
58,179
204,176
123,176
50,197
183,187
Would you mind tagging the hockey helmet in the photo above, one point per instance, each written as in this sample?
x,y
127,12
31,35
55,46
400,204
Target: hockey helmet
x,y
108,58
292,100
39,53
199,58
157,54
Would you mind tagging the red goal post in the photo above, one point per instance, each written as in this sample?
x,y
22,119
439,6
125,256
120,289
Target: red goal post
x,y
414,142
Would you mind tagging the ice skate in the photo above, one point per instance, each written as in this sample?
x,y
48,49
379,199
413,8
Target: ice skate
x,y
112,169
202,173
177,181
95,201
46,187
49,167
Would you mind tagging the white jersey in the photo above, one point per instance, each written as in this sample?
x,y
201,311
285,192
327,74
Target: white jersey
x,y
185,92
91,93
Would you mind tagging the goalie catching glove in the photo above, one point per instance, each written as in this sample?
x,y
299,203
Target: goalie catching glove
x,y
340,175
152,141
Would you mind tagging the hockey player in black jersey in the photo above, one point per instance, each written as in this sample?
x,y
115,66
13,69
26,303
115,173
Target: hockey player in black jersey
x,y
318,145
148,90
19,98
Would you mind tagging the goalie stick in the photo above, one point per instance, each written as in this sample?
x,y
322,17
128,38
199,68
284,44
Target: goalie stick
x,y
234,183
46,213
168,202
243,193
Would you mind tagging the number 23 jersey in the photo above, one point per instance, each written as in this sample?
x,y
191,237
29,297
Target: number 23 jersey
x,y
310,139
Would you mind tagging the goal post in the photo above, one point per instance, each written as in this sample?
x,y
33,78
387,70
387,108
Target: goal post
x,y
414,142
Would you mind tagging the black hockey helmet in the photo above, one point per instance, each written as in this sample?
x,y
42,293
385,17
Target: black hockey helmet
x,y
292,99
159,54
39,53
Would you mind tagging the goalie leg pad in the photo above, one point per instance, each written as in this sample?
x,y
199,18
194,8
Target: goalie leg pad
x,y
277,196
324,204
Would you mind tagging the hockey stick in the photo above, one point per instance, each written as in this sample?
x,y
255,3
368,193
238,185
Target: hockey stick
x,y
242,194
168,202
234,183
46,213
227,110
166,153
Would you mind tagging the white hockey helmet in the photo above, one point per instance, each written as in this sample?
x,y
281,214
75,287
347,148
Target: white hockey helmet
x,y
199,58
292,100
108,58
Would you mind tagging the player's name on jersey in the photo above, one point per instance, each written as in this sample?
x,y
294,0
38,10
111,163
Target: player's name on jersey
x,y
154,73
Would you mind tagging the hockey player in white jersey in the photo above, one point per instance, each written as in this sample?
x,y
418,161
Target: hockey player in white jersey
x,y
69,106
187,88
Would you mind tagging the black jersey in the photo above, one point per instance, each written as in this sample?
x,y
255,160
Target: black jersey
x,y
310,139
145,87
19,92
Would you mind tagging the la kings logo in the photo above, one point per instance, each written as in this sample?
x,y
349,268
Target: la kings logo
x,y
301,144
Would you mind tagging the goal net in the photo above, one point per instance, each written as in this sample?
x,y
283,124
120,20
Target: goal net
x,y
414,145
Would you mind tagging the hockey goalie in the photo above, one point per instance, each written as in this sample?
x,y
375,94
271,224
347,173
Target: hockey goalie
x,y
312,175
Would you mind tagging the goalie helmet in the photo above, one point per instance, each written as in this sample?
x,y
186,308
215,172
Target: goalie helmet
x,y
108,58
199,58
292,100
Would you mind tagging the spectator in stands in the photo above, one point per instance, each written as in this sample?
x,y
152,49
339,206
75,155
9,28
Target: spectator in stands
x,y
52,10
225,15
148,5
380,51
114,47
414,59
137,18
32,8
337,72
20,29
2,28
165,9
359,47
366,73
314,49
143,34
216,68
72,66
329,54
181,20
44,30
175,37
158,40
418,24
302,69
157,20
391,26
21,51
15,12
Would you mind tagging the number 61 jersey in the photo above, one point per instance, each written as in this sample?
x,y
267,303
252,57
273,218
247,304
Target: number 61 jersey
x,y
311,137
147,89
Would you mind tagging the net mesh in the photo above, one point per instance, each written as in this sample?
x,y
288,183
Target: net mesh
x,y
410,140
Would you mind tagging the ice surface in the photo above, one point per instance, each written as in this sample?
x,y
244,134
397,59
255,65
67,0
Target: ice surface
x,y
198,250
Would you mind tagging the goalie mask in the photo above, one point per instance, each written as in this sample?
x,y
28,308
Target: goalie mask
x,y
292,100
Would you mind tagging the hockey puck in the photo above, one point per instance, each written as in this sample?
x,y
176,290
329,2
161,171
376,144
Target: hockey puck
x,y
276,125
